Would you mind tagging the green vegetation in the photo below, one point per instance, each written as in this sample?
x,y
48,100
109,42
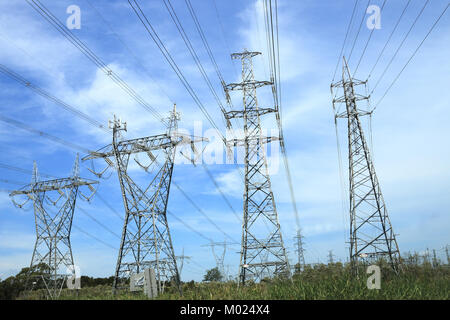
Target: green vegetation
x,y
332,281
213,275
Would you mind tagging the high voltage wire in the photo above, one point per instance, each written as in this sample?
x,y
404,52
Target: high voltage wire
x,y
191,50
138,61
75,111
14,168
274,54
345,39
222,194
389,38
28,128
73,146
189,227
222,29
58,25
205,41
367,42
153,34
98,222
93,237
412,56
17,169
80,209
151,31
202,212
359,30
399,47
72,109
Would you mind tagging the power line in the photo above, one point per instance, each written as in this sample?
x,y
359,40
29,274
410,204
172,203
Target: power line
x,y
192,51
400,46
389,38
412,56
153,34
43,134
138,61
17,169
74,146
92,236
75,111
345,39
202,212
189,227
274,58
221,192
61,28
98,222
359,29
222,29
367,42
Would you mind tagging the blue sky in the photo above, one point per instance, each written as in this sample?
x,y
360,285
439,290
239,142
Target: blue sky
x,y
410,126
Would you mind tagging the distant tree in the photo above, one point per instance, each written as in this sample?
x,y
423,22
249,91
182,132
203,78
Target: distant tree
x,y
213,275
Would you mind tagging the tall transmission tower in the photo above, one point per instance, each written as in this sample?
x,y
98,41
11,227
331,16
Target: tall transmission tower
x,y
262,252
52,255
146,241
371,233
300,251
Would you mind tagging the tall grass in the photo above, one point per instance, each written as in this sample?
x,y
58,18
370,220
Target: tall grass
x,y
333,281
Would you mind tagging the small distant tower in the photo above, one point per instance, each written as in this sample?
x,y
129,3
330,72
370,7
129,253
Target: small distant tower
x,y
300,250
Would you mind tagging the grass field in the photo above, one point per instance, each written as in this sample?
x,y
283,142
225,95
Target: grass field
x,y
321,282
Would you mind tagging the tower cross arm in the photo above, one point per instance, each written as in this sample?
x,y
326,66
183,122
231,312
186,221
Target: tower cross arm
x,y
250,84
53,185
145,144
242,142
249,113
245,54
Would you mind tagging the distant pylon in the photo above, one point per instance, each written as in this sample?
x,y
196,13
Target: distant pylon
x,y
263,251
220,257
300,250
330,257
52,255
371,233
146,241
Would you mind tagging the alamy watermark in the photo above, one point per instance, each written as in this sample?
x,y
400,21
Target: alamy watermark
x,y
374,20
74,20
374,281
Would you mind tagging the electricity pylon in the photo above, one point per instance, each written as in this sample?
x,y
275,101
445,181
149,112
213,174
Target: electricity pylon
x,y
220,257
146,241
52,258
300,251
371,233
262,251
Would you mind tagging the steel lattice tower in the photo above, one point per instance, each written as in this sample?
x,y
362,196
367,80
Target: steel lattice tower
x,y
262,251
300,251
371,233
146,241
52,254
